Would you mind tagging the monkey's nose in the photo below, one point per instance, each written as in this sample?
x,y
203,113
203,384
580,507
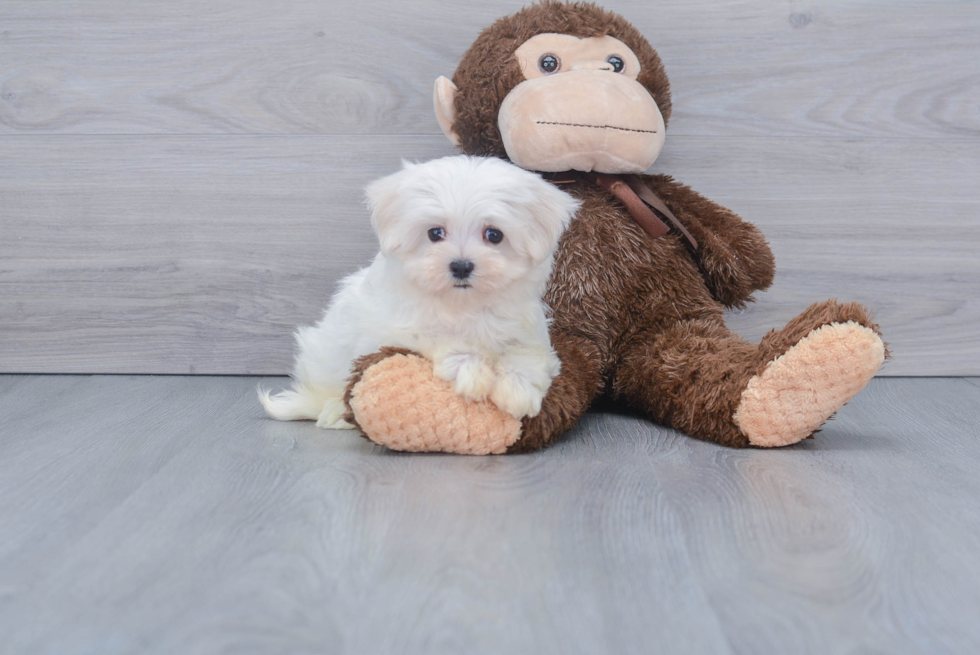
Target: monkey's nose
x,y
461,268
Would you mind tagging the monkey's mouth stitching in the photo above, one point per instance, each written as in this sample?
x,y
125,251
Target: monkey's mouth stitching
x,y
598,127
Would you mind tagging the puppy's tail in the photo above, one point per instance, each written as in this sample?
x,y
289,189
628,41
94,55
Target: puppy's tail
x,y
302,402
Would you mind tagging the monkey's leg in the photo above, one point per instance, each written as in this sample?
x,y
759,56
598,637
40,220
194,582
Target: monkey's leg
x,y
701,379
396,400
571,393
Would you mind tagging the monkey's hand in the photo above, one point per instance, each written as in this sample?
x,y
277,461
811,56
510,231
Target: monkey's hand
x,y
733,255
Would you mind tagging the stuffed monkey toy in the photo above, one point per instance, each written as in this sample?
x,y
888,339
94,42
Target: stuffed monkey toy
x,y
641,277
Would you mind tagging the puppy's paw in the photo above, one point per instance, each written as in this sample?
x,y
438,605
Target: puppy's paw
x,y
539,370
535,364
517,395
332,416
475,379
472,375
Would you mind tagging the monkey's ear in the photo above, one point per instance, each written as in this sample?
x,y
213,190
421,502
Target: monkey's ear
x,y
443,98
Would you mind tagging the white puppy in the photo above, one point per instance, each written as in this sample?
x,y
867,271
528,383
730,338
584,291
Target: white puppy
x,y
466,251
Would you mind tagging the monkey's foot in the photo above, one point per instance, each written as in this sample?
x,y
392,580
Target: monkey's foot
x,y
397,401
803,387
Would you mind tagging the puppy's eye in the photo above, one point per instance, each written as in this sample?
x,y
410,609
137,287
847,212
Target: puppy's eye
x,y
548,64
437,234
616,62
493,235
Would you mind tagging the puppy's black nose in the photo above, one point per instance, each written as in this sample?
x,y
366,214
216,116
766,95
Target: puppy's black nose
x,y
461,268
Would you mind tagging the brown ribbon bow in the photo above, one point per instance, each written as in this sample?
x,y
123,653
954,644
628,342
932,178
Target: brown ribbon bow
x,y
639,200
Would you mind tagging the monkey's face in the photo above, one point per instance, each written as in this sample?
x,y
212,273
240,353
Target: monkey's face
x,y
559,86
580,107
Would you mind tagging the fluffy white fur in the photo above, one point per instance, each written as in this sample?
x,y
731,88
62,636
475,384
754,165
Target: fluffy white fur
x,y
488,334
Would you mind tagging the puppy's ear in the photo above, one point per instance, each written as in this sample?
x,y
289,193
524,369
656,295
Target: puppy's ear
x,y
383,201
551,212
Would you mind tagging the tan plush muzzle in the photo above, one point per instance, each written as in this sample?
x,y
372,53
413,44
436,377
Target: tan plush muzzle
x,y
584,120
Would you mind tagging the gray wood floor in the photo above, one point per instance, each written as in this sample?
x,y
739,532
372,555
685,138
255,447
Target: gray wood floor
x,y
165,514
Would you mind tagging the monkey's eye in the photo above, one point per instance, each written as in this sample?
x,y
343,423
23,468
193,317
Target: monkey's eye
x,y
548,64
617,63
493,235
437,234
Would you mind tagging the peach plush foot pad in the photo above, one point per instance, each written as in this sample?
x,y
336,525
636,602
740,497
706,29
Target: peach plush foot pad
x,y
799,390
401,404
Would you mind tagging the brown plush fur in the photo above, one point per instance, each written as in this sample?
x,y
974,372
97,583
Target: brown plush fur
x,y
637,318
653,317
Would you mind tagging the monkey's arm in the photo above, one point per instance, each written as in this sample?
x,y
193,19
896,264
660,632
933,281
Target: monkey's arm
x,y
733,256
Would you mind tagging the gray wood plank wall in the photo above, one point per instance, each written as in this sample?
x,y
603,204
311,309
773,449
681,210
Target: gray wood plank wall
x,y
180,182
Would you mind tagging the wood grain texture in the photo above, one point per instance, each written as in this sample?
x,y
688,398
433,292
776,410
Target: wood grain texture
x,y
180,182
165,514
739,67
201,255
